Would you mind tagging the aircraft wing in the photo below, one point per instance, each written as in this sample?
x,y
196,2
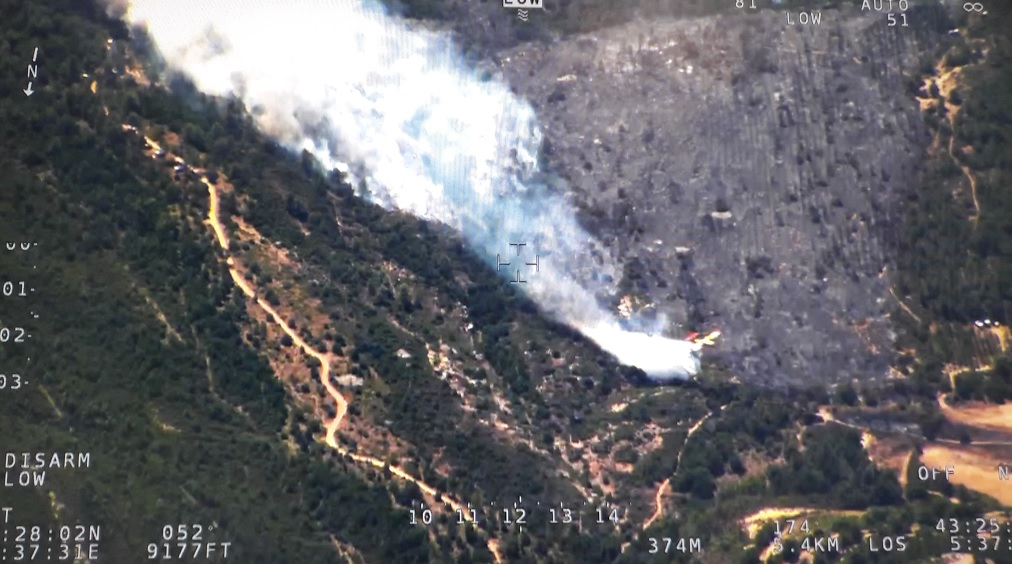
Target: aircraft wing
x,y
709,340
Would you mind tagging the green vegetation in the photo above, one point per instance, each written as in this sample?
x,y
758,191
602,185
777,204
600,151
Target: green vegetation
x,y
145,356
133,391
956,263
184,421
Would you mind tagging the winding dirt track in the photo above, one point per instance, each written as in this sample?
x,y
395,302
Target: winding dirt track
x,y
665,486
214,220
658,503
993,417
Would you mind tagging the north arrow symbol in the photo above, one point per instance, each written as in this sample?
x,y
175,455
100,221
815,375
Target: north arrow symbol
x,y
28,91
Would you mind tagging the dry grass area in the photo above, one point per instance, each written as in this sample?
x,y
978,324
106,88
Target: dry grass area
x,y
296,306
600,467
975,468
288,363
753,522
269,252
603,470
381,443
1003,335
289,366
889,454
978,414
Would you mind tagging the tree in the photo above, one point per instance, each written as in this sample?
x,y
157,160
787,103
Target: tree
x,y
736,465
847,395
698,482
750,556
931,423
272,297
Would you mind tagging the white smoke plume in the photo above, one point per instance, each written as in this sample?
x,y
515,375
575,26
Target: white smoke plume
x,y
352,84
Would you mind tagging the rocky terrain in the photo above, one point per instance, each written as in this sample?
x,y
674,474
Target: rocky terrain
x,y
749,173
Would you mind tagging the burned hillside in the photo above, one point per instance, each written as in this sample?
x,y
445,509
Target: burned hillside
x,y
749,173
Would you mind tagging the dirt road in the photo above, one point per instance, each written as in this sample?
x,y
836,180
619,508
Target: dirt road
x,y
665,486
214,221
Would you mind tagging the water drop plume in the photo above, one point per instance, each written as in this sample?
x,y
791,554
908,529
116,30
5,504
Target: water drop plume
x,y
425,131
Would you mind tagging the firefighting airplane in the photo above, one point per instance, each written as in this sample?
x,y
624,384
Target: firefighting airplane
x,y
703,341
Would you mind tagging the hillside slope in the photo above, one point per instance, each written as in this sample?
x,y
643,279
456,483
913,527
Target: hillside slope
x,y
191,276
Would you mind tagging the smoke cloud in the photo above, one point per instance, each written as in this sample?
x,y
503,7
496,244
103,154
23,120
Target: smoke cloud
x,y
398,105
116,8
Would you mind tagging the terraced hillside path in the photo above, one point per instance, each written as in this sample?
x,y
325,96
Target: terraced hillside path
x,y
214,221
